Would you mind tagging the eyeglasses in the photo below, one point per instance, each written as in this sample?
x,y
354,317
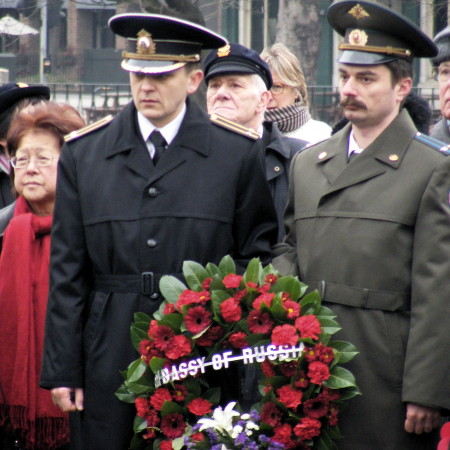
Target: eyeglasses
x,y
441,74
40,161
277,89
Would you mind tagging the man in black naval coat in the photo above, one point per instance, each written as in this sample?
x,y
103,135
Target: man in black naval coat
x,y
239,83
131,207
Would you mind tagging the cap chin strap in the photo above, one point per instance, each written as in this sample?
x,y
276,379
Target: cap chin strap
x,y
160,57
374,49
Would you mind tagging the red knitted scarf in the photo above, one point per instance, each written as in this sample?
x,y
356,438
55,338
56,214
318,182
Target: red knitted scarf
x,y
24,264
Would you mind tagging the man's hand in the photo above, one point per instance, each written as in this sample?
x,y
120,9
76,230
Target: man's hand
x,y
420,419
68,399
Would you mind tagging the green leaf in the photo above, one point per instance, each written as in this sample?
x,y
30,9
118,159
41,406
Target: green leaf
x,y
124,395
135,370
310,303
156,364
253,271
212,395
347,351
139,332
171,288
227,265
277,308
213,270
194,274
171,408
329,326
178,443
217,297
348,393
324,441
340,378
291,285
173,321
139,424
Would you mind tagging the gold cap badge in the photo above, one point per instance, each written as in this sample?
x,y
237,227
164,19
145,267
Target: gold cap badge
x,y
358,12
358,37
145,44
224,51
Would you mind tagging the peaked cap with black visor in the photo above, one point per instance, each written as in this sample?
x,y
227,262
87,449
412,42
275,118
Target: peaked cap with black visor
x,y
374,34
161,44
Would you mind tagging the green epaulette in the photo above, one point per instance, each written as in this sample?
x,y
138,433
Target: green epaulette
x,y
233,126
87,129
433,143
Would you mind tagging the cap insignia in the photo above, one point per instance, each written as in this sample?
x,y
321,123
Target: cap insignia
x,y
22,85
358,12
145,43
224,51
358,37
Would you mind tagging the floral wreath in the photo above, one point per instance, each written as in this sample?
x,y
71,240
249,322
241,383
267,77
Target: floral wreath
x,y
222,317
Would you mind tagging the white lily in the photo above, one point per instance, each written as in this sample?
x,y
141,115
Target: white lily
x,y
221,419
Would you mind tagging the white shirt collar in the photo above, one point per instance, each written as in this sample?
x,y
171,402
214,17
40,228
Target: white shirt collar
x,y
353,146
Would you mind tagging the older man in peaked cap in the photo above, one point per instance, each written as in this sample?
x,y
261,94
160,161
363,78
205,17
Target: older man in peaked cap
x,y
368,226
137,196
441,68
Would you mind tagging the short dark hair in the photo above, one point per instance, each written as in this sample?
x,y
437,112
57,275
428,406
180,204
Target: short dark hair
x,y
400,68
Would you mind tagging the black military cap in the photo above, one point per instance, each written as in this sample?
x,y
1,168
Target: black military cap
x,y
161,43
374,34
235,58
11,93
442,41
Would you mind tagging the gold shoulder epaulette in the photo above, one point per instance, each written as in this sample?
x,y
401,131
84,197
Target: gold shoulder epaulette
x,y
87,129
233,126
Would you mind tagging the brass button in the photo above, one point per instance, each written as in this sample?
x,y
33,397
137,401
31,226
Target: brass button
x,y
322,155
152,192
277,168
393,157
152,243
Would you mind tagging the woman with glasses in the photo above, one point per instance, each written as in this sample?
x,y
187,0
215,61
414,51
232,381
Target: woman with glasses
x,y
288,106
27,414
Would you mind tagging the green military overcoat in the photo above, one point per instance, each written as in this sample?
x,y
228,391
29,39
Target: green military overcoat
x,y
373,236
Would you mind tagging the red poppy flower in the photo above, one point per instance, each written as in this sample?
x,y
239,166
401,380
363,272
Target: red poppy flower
x,y
163,337
270,414
238,340
316,407
289,396
199,406
232,281
318,372
231,311
179,393
179,346
308,326
259,322
307,428
292,309
265,298
210,337
173,425
319,352
284,335
197,319
160,396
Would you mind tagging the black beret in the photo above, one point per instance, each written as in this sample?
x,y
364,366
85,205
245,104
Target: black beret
x,y
235,58
11,93
375,34
442,41
161,43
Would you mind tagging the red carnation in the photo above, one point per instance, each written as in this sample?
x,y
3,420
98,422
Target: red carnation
x,y
307,428
188,297
231,311
166,445
284,335
265,298
148,350
232,281
270,414
179,393
332,415
179,346
210,337
319,352
268,368
169,308
142,406
238,340
160,396
283,435
288,369
163,337
308,326
206,282
199,406
289,396
315,408
318,372
331,394
239,295
173,425
259,322
292,309
197,319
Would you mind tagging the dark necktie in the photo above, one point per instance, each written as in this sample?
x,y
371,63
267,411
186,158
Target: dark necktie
x,y
159,143
352,156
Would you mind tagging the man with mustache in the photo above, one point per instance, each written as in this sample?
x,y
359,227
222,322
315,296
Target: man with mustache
x,y
368,222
